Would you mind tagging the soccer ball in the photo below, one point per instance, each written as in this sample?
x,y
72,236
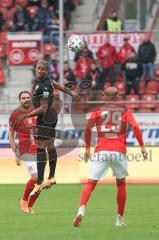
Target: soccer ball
x,y
75,43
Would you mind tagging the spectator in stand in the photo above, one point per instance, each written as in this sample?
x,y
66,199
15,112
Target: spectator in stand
x,y
79,54
133,71
82,67
53,67
95,77
125,50
68,8
52,30
113,23
43,17
70,82
1,21
69,77
107,57
21,19
147,55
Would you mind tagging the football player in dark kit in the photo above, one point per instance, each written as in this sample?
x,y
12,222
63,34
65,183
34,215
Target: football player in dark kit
x,y
42,99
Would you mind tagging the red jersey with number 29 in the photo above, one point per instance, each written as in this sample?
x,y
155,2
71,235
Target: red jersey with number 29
x,y
111,123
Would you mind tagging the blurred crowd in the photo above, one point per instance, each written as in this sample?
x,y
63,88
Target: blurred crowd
x,y
129,70
109,66
35,15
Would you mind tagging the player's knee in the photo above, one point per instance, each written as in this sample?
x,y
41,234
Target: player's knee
x,y
52,154
93,181
34,177
41,155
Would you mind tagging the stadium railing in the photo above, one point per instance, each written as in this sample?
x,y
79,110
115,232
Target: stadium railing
x,y
96,14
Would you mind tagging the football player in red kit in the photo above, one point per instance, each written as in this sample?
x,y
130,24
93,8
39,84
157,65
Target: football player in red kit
x,y
26,150
111,121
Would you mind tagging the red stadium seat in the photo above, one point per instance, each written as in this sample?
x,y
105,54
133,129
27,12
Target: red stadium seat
x,y
141,87
149,98
32,11
6,3
2,77
157,108
144,110
49,48
120,98
121,87
152,87
134,101
3,37
3,50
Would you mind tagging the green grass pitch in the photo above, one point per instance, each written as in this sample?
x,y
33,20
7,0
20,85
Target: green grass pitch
x,y
56,208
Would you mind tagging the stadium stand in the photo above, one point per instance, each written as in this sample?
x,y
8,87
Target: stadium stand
x,y
148,89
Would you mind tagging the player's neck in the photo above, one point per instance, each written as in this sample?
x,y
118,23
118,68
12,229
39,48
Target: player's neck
x,y
26,109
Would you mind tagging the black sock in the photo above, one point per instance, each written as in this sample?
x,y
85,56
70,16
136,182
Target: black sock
x,y
41,163
52,161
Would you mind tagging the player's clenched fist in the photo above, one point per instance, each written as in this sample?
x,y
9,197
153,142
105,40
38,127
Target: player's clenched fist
x,y
144,153
75,97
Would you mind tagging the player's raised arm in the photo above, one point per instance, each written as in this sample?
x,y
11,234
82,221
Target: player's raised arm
x,y
66,90
90,124
34,112
41,109
131,120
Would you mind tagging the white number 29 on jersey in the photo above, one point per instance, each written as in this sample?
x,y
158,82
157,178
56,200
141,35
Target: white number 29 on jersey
x,y
114,118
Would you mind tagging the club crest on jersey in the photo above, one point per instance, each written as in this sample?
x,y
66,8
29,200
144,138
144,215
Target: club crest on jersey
x,y
36,87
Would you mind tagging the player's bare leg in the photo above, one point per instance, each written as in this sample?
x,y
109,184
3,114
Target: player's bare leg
x,y
32,198
121,200
86,193
25,201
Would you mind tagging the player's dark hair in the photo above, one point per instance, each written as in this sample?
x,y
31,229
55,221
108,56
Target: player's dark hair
x,y
114,11
45,63
22,92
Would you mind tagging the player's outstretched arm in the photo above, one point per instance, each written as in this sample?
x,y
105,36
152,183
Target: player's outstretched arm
x,y
34,112
131,120
66,90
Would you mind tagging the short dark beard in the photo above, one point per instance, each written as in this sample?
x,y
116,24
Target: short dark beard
x,y
25,108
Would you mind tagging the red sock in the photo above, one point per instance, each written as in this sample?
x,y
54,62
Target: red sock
x,y
32,200
86,193
121,197
29,187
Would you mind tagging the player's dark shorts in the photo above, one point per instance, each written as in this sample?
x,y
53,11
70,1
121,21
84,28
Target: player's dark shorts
x,y
46,126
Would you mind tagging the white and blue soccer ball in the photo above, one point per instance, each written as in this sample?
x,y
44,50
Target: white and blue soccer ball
x,y
75,43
